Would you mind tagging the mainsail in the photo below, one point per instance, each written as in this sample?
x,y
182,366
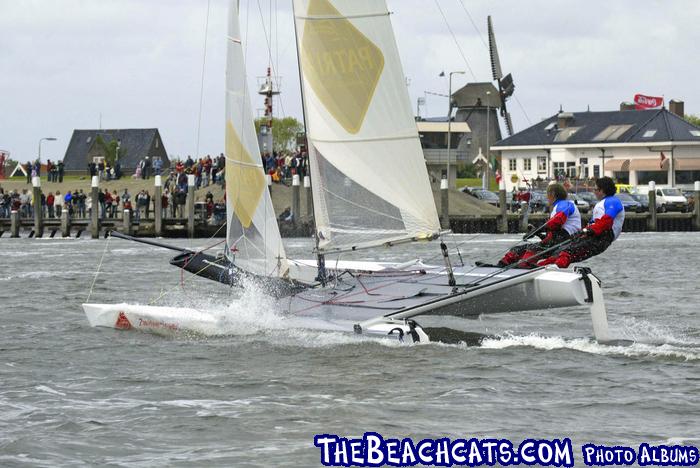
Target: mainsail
x,y
370,184
253,236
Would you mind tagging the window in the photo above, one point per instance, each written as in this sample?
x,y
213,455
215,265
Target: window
x,y
649,134
156,142
550,126
512,164
687,177
622,177
559,169
565,133
541,163
571,169
695,132
644,177
527,164
612,133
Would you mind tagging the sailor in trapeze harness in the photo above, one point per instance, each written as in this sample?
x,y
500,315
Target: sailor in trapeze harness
x,y
605,226
564,222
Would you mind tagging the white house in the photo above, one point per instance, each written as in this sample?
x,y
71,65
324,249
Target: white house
x,y
632,146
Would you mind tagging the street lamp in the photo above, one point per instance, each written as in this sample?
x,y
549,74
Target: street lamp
x,y
449,119
42,139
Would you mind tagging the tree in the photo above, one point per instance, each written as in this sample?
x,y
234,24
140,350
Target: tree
x,y
284,132
693,119
110,149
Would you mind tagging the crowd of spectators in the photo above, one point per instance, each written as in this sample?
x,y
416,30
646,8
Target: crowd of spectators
x,y
283,165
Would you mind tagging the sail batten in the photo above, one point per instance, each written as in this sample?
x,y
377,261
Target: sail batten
x,y
253,237
369,180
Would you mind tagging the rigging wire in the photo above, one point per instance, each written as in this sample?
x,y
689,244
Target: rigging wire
x,y
481,37
269,51
99,267
464,7
201,88
461,52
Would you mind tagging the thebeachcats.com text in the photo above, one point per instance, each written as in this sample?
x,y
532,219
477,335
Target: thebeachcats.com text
x,y
374,450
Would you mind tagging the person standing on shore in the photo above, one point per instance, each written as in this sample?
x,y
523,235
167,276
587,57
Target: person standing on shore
x,y
58,203
60,171
49,204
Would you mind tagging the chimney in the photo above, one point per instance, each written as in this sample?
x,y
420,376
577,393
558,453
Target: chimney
x,y
564,119
627,106
677,107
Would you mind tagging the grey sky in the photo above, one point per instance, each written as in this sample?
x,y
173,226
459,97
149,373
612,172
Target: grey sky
x,y
139,63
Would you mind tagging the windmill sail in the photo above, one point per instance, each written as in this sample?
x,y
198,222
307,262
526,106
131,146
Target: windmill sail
x,y
253,237
370,183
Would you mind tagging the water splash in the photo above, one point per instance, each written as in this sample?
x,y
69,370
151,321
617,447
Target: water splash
x,y
589,346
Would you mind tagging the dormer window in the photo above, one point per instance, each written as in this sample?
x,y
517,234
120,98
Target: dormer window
x,y
649,134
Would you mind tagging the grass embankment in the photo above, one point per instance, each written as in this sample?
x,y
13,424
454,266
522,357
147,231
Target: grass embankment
x,y
476,182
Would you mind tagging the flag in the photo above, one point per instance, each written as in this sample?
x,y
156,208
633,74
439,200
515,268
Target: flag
x,y
663,158
647,102
498,176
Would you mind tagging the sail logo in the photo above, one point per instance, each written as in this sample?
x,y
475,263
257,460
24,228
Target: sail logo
x,y
341,65
250,183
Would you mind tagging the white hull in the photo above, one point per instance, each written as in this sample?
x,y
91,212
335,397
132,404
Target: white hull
x,y
187,321
366,306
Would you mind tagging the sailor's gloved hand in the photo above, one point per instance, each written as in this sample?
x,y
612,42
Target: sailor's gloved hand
x,y
530,227
585,232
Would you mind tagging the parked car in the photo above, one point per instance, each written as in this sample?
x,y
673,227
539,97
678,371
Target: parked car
x,y
589,197
670,199
538,201
581,204
643,200
483,195
629,203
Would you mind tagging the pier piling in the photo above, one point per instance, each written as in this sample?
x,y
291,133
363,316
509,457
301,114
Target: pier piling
x,y
65,222
309,198
158,206
95,211
127,222
503,221
651,222
445,203
190,206
296,201
38,209
696,194
14,220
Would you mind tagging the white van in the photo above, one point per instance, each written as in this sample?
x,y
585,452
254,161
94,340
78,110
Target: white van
x,y
670,199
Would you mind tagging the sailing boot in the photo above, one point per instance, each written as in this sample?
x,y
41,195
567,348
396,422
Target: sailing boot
x,y
525,263
508,258
563,260
547,261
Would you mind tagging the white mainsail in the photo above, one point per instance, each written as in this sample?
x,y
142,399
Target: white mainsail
x,y
370,184
253,236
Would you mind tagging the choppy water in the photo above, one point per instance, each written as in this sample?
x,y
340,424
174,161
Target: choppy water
x,y
71,395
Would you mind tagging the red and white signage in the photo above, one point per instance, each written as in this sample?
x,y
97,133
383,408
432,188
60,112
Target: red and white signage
x,y
647,102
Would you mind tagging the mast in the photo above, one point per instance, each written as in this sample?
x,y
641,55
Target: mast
x,y
320,258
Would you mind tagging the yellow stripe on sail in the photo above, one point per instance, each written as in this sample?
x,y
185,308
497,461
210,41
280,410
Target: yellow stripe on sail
x,y
245,182
341,64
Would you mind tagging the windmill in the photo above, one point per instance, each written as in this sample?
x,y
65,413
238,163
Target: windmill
x,y
505,83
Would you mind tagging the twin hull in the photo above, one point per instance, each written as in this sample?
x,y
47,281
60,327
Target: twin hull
x,y
385,302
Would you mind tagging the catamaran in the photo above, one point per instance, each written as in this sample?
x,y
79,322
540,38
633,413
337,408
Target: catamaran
x,y
370,190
